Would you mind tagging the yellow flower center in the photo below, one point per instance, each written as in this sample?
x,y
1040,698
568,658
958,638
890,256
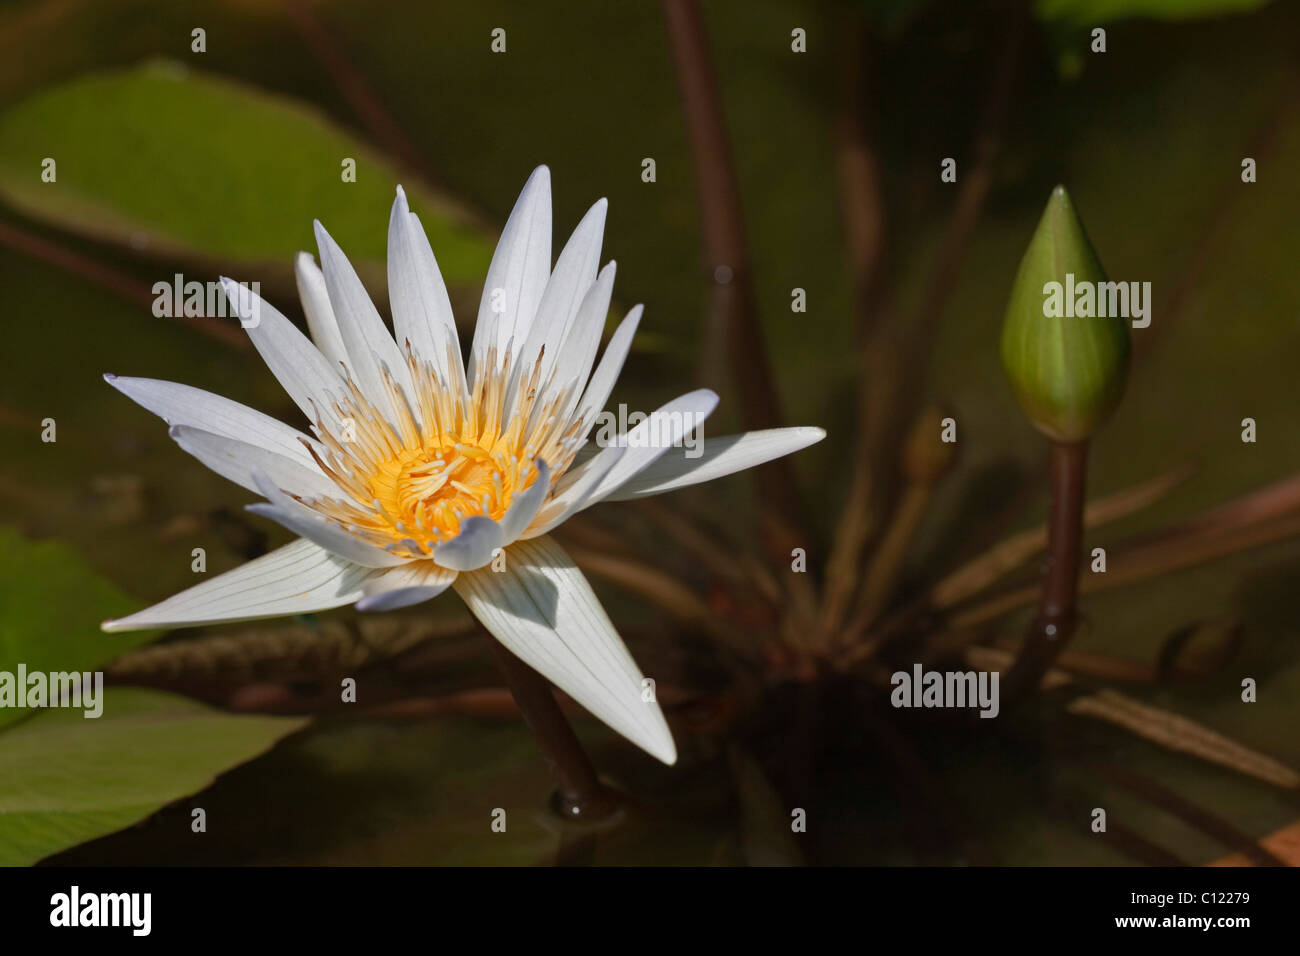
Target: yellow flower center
x,y
436,489
406,486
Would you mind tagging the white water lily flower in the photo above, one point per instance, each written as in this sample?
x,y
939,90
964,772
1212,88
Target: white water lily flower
x,y
420,471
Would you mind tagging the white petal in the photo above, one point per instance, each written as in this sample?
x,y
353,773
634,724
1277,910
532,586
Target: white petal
x,y
472,548
239,460
544,612
412,583
366,338
305,522
324,327
298,365
330,537
521,266
526,505
649,440
178,404
717,457
299,578
575,271
418,295
606,374
571,495
576,354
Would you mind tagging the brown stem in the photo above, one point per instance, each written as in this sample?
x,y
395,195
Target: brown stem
x,y
863,208
734,304
1053,626
886,565
581,796
893,356
896,356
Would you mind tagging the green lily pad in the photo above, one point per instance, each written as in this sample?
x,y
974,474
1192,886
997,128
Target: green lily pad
x,y
173,161
50,609
65,779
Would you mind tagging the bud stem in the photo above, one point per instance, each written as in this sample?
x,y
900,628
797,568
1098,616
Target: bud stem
x,y
581,797
1054,624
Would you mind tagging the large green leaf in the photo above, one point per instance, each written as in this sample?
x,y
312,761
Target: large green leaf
x,y
51,605
65,779
367,792
421,793
167,159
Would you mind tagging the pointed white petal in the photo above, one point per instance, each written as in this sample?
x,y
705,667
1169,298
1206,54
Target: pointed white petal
x,y
322,324
328,536
421,307
239,461
576,354
302,521
400,597
648,441
472,548
572,494
299,578
516,279
717,457
526,505
575,271
178,404
305,374
366,338
412,583
606,374
545,613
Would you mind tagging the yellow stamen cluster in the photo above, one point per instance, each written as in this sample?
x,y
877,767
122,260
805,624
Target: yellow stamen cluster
x,y
408,484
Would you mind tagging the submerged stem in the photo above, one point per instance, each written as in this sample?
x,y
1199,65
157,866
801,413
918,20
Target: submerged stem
x,y
580,796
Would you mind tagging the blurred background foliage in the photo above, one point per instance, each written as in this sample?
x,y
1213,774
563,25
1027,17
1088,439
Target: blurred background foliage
x,y
203,163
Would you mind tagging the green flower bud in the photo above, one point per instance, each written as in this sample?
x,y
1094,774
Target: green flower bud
x,y
1066,369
